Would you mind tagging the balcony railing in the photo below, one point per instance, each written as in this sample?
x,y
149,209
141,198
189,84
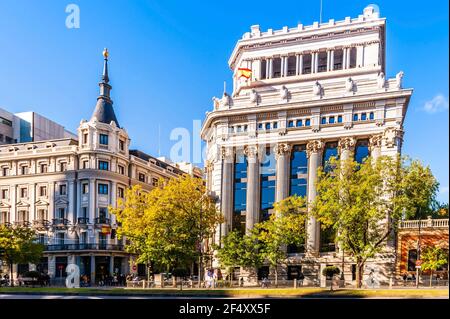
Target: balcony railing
x,y
433,223
41,224
60,222
95,246
24,223
83,221
102,221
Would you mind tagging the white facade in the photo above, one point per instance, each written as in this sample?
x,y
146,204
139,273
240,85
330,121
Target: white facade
x,y
310,87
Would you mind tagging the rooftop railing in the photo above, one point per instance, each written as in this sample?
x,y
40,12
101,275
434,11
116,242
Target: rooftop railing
x,y
429,222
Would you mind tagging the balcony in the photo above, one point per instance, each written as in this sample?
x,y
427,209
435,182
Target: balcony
x,y
60,223
102,221
22,223
78,247
82,221
41,224
427,223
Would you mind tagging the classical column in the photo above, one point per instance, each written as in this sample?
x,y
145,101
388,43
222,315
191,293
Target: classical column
x,y
252,211
286,62
347,57
375,146
314,152
282,155
346,147
267,68
270,60
71,196
92,203
300,64
316,62
13,201
344,58
331,60
227,154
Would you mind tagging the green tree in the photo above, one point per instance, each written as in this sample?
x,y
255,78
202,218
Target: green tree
x,y
239,250
432,259
363,203
285,227
330,272
167,225
18,245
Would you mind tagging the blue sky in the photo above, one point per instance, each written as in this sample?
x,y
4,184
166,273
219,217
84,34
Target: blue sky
x,y
168,58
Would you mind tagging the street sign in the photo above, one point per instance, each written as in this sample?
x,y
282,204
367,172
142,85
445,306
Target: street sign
x,y
418,263
134,267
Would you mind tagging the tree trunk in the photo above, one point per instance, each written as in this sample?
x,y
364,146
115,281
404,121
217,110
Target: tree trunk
x,y
174,281
431,278
276,277
11,279
359,273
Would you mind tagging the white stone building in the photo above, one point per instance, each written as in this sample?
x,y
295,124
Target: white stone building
x,y
314,92
63,188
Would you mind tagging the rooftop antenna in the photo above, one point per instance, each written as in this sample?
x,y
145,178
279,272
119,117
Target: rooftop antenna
x,y
320,17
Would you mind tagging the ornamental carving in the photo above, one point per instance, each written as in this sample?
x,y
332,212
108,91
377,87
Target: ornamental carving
x,y
282,149
317,89
209,166
399,80
375,141
392,136
381,80
254,96
251,151
349,85
347,144
226,153
314,147
284,93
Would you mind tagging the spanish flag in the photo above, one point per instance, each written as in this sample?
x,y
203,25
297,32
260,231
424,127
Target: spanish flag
x,y
244,72
106,230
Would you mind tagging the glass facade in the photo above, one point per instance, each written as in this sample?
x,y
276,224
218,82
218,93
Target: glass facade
x,y
298,171
331,150
361,150
267,171
239,191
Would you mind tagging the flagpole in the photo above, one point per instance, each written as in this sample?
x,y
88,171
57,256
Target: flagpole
x,y
320,17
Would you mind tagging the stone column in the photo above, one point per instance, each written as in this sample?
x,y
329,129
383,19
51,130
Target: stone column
x,y
316,62
71,196
347,57
344,58
32,213
282,154
331,68
270,62
346,147
227,154
286,61
92,203
300,64
375,146
13,201
51,201
267,68
252,211
314,153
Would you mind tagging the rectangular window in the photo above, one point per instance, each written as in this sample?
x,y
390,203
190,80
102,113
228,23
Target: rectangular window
x,y
352,58
324,120
299,171
355,117
322,59
307,122
84,212
263,69
275,125
85,188
102,165
43,191
5,171
371,116
44,168
267,183
299,123
338,55
103,140
260,126
339,118
23,192
276,66
85,164
239,192
291,61
331,120
155,182
85,138
61,213
141,177
306,64
4,194
121,170
363,116
24,170
267,126
103,189
63,166
291,124
62,189
120,192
